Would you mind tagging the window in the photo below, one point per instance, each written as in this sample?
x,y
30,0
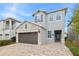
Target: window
x,y
41,18
13,24
58,17
49,34
25,26
6,34
51,17
7,25
0,34
36,19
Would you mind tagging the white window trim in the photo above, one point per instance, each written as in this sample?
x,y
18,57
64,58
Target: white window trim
x,y
58,15
51,16
50,34
41,18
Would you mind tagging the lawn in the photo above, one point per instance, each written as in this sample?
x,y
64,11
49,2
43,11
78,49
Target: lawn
x,y
73,46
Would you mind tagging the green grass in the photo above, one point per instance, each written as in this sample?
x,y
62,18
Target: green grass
x,y
73,46
6,42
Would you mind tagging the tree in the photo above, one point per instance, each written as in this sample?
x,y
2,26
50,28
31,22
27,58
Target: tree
x,y
75,21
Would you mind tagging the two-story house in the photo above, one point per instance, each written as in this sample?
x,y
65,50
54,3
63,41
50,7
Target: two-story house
x,y
48,27
7,28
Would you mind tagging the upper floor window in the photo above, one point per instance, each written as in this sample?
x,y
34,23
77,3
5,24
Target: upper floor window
x,y
41,18
58,17
13,25
49,34
7,25
51,17
36,19
25,26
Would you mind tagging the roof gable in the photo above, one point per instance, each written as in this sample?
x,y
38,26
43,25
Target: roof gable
x,y
30,23
10,19
39,11
51,11
58,10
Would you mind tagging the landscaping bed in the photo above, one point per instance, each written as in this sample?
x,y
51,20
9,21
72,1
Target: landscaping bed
x,y
73,45
6,42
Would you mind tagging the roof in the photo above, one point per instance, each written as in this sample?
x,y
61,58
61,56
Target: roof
x,y
1,20
69,23
31,23
39,11
11,19
51,11
58,10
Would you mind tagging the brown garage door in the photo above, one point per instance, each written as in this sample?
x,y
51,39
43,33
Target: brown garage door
x,y
31,38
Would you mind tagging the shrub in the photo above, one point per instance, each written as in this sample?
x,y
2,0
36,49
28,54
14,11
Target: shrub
x,y
77,43
5,42
13,39
73,46
65,38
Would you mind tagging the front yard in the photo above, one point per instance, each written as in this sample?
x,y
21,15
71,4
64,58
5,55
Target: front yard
x,y
73,46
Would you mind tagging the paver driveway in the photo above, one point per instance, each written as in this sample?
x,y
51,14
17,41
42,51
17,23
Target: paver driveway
x,y
20,49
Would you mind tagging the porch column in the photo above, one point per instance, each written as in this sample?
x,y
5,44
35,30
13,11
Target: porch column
x,y
10,24
3,34
10,28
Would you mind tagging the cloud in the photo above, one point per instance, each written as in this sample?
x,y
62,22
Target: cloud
x,y
11,8
6,15
24,14
16,11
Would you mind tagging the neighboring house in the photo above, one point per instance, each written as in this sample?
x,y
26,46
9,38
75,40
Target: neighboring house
x,y
48,27
71,33
7,28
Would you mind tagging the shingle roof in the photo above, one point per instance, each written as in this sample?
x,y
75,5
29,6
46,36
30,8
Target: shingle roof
x,y
59,10
11,19
51,11
39,11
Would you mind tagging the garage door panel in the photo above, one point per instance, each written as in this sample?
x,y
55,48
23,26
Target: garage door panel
x,y
31,38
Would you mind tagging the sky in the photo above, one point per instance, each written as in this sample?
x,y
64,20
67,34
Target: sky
x,y
24,11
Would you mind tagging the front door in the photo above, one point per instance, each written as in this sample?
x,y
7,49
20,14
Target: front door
x,y
57,35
